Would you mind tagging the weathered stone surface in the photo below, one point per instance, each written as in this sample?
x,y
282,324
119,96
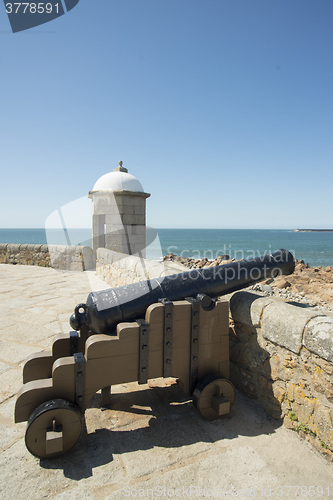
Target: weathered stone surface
x,y
322,423
282,283
285,382
75,258
304,413
119,269
284,325
322,383
318,337
247,307
266,288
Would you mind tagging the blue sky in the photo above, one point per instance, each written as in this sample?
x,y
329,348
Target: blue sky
x,y
222,108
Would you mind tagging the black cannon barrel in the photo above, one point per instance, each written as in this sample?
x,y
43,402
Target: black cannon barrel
x,y
105,309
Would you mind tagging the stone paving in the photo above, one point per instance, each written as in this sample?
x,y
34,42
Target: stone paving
x,y
151,443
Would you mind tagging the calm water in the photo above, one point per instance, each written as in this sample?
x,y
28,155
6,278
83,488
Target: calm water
x,y
314,248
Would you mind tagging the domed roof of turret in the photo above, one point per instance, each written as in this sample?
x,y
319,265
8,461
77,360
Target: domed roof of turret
x,y
118,180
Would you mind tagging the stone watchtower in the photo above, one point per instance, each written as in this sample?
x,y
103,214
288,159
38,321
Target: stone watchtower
x,y
119,212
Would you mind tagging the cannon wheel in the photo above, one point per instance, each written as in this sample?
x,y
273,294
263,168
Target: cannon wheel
x,y
53,428
213,397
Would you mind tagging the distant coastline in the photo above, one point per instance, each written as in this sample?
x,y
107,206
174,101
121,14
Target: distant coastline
x,y
313,230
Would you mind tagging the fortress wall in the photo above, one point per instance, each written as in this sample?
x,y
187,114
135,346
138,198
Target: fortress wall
x,y
282,355
73,258
119,269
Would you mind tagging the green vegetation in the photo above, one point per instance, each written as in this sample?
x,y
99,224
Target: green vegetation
x,y
293,416
303,428
324,445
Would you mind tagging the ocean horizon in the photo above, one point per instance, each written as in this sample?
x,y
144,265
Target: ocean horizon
x,y
315,248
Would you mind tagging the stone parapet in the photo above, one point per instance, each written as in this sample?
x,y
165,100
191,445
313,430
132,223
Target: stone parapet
x,y
119,269
282,355
73,258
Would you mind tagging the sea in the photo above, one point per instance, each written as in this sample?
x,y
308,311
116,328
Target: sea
x,y
315,248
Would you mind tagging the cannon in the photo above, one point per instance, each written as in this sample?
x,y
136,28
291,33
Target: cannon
x,y
176,326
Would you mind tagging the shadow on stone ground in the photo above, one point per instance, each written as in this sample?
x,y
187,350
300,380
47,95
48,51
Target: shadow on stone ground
x,y
153,418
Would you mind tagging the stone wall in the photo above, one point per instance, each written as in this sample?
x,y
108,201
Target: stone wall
x,y
73,258
282,354
119,269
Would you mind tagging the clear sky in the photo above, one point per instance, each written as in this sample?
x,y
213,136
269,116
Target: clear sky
x,y
222,108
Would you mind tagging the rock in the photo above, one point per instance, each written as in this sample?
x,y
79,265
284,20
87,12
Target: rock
x,y
282,283
314,283
169,256
223,257
202,262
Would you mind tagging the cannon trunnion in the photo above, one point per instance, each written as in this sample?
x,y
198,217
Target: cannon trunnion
x,y
170,327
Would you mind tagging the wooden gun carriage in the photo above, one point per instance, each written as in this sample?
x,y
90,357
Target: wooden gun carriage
x,y
165,327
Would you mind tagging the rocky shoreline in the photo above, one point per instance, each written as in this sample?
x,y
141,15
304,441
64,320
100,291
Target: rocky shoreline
x,y
307,286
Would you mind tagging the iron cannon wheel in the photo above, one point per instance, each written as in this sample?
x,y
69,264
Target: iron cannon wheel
x,y
213,397
53,428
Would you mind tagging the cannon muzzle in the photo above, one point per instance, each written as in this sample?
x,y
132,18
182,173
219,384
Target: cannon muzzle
x,y
105,309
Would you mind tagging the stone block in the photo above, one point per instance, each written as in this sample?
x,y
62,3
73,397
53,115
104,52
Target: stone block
x,y
247,307
140,270
13,248
140,209
127,210
134,219
88,257
114,228
96,210
129,229
322,422
318,337
98,241
131,262
128,219
322,384
75,266
124,199
139,250
137,239
104,198
138,230
155,270
115,256
112,239
119,249
113,219
140,220
284,324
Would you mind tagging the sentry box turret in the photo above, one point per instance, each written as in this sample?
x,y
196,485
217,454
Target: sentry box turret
x,y
165,327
